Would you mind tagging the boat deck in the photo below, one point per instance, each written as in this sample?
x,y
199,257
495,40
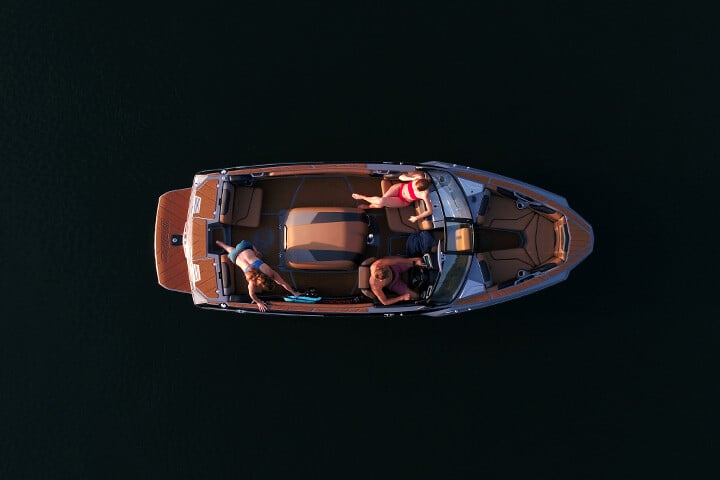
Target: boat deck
x,y
283,194
510,239
507,239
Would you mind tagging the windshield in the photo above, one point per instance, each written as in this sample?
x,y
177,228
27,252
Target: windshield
x,y
455,253
452,277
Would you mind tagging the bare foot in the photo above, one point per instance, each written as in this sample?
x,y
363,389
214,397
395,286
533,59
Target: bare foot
x,y
357,196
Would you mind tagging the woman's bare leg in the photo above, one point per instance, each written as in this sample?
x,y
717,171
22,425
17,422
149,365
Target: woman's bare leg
x,y
380,202
393,202
358,196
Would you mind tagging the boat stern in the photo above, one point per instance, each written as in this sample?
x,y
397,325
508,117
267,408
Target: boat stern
x,y
170,262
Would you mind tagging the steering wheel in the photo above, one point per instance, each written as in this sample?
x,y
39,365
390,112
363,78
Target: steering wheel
x,y
419,278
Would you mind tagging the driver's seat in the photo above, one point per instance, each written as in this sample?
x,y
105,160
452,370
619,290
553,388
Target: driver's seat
x,y
364,278
416,278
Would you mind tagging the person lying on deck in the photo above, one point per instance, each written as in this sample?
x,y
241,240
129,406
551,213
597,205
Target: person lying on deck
x,y
259,275
385,276
414,187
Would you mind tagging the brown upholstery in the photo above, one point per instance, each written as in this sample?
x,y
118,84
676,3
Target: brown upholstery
x,y
364,278
325,238
542,231
240,205
398,218
464,238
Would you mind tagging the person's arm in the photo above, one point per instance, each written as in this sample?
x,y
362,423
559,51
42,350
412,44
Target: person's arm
x,y
409,177
262,306
380,294
399,261
428,207
278,279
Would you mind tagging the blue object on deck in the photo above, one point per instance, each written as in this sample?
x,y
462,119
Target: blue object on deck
x,y
302,299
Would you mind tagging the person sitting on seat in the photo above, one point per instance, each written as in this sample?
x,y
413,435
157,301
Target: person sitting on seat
x,y
259,275
414,187
385,275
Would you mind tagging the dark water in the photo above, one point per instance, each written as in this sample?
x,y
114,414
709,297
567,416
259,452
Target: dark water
x,y
104,374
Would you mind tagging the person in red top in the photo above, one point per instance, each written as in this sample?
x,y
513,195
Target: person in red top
x,y
414,187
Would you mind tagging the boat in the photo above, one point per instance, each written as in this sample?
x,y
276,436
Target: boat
x,y
489,239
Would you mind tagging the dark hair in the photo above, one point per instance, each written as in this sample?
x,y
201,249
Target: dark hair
x,y
255,276
422,184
